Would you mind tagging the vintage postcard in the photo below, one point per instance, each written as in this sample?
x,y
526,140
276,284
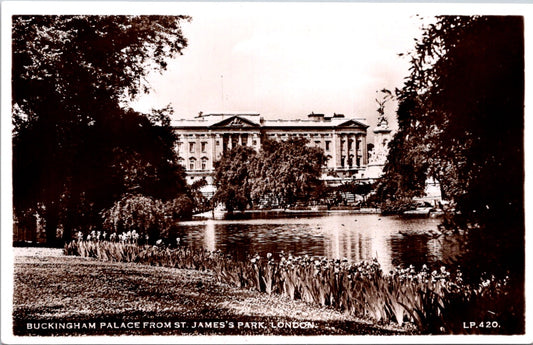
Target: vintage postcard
x,y
266,172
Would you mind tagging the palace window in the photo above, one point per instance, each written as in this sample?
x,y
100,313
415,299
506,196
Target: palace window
x,y
204,146
192,147
327,145
192,163
204,163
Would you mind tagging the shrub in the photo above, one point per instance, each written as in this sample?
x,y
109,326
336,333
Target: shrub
x,y
148,216
390,207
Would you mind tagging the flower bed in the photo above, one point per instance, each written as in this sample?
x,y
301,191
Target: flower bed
x,y
434,301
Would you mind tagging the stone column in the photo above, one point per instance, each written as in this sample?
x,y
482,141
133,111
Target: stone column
x,y
338,150
333,164
344,149
357,149
212,153
364,150
351,147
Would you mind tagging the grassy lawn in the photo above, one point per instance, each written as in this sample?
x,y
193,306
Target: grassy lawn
x,y
56,289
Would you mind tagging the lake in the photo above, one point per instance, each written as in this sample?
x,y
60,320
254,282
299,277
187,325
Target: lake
x,y
393,240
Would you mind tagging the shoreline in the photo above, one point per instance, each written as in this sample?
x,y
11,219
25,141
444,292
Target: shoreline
x,y
209,214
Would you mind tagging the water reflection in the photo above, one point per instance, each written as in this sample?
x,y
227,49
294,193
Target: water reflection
x,y
357,244
209,236
392,240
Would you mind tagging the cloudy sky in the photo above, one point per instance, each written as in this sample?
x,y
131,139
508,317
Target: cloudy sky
x,y
286,60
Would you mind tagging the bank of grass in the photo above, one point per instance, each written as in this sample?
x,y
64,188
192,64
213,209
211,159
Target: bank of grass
x,y
51,287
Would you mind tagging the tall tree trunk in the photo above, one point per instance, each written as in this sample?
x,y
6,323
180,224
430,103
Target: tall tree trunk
x,y
67,229
52,221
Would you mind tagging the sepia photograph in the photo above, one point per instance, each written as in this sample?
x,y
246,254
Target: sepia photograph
x,y
257,172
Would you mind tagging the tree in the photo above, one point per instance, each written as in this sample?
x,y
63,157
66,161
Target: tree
x,y
233,178
461,118
466,73
284,171
288,171
72,154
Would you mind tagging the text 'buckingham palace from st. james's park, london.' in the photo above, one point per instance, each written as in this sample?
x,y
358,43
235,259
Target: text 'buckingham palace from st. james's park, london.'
x,y
201,142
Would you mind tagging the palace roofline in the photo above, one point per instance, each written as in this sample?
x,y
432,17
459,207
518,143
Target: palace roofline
x,y
313,121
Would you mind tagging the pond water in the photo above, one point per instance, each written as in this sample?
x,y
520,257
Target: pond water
x,y
393,240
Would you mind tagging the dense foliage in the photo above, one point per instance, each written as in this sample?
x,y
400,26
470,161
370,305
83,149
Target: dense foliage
x,y
233,178
287,170
282,173
461,120
460,117
76,150
150,218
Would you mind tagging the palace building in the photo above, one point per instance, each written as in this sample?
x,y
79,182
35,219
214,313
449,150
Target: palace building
x,y
202,140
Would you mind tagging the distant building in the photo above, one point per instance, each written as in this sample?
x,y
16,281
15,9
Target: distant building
x,y
380,149
202,140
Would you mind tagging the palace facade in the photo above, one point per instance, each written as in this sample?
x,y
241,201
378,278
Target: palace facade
x,y
202,140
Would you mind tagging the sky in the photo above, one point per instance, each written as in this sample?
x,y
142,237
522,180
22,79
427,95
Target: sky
x,y
285,61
